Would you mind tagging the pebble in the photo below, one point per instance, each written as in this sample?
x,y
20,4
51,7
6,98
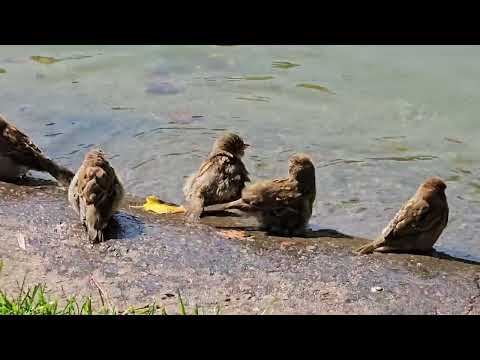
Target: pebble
x,y
376,289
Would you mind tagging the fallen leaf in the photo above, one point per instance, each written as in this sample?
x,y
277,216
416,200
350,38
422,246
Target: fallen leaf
x,y
452,140
315,87
286,244
44,59
283,65
158,206
234,234
47,60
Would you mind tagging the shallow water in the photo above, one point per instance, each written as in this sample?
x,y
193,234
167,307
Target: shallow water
x,y
377,120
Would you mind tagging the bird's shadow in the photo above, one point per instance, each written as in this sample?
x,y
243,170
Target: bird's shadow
x,y
433,254
319,233
307,234
332,233
124,226
441,255
33,182
221,214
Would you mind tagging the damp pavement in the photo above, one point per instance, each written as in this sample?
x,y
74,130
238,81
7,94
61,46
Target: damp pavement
x,y
221,265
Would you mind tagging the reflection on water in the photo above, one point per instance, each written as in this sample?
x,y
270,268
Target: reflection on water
x,y
376,120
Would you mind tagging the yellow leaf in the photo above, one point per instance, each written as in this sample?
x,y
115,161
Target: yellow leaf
x,y
284,64
44,59
159,207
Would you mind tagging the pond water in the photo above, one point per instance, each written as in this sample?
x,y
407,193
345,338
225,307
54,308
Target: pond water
x,y
377,120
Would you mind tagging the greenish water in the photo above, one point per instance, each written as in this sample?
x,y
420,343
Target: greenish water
x,y
377,120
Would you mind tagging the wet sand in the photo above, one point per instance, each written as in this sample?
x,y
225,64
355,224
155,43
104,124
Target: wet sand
x,y
149,258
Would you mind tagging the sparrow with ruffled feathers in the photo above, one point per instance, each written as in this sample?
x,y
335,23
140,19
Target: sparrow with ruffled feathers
x,y
282,205
95,193
220,178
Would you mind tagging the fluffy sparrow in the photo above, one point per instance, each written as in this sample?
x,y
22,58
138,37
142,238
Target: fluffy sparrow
x,y
220,178
95,193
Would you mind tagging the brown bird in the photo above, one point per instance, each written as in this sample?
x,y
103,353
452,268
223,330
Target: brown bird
x,y
418,224
281,205
220,178
18,155
95,193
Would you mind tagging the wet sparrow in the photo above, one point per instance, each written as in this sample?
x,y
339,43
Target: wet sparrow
x,y
220,178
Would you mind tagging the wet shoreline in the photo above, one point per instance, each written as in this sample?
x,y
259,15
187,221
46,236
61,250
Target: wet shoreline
x,y
149,258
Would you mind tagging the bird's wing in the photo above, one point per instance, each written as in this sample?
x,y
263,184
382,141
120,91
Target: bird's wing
x,y
414,217
222,157
209,172
97,184
20,147
73,196
275,194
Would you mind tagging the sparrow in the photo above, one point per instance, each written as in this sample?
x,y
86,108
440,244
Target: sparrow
x,y
281,205
95,193
418,224
18,155
220,178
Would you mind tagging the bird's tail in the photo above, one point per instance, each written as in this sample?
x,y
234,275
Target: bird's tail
x,y
371,246
94,235
95,224
62,174
237,204
194,208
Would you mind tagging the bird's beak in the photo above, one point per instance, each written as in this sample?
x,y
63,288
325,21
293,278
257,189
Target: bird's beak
x,y
246,146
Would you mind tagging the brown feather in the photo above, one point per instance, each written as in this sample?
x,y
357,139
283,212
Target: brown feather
x,y
219,179
95,193
418,224
280,205
23,153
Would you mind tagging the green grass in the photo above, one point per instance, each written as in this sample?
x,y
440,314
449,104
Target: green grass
x,y
36,301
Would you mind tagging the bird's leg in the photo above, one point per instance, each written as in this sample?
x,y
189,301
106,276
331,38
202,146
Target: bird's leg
x,y
194,209
371,246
